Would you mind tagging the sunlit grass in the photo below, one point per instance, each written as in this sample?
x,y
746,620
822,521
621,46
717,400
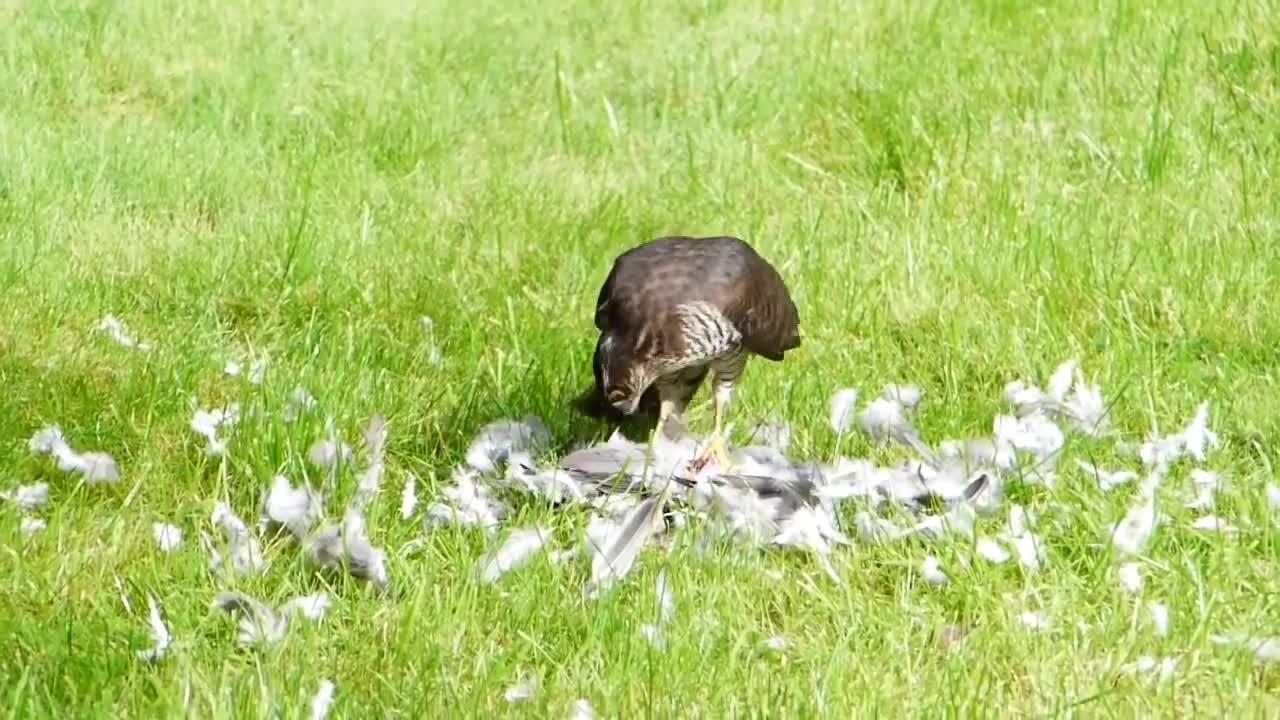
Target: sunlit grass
x,y
958,194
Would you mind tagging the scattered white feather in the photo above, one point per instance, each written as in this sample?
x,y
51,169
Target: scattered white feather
x,y
96,467
1206,484
1019,520
124,599
1131,534
958,520
206,423
28,497
654,635
1213,523
1034,434
1060,381
522,690
326,453
1026,544
873,529
1039,435
433,348
551,485
741,514
1107,480
258,369
908,396
1086,410
776,643
167,536
883,419
409,496
598,532
257,621
560,557
296,509
468,504
369,482
749,516
1160,452
160,637
1035,620
115,329
1080,402
299,402
47,439
1130,576
582,710
665,597
1159,614
521,545
232,369
1031,551
1164,668
931,571
260,623
496,441
322,700
1197,437
842,409
1023,396
773,433
335,547
245,551
1194,439
1273,497
1266,650
811,529
312,607
31,526
991,551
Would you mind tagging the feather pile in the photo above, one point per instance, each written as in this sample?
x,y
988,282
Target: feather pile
x,y
636,498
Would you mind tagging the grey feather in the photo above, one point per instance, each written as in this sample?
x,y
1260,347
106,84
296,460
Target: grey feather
x,y
614,560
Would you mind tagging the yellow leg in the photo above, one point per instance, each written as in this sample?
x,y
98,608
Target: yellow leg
x,y
665,408
716,448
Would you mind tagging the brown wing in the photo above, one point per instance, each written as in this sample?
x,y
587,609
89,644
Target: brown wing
x,y
648,282
760,306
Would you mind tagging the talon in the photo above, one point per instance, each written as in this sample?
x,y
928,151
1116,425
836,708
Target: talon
x,y
716,451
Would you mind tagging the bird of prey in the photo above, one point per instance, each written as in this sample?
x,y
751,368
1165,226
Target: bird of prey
x,y
673,311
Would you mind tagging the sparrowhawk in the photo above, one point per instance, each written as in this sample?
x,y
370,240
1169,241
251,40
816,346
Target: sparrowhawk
x,y
676,309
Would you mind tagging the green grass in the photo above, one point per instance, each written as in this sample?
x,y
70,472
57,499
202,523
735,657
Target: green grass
x,y
959,194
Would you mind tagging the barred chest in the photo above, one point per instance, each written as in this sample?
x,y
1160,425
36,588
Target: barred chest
x,y
709,338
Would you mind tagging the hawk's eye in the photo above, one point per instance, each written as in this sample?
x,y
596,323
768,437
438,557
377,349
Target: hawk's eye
x,y
617,394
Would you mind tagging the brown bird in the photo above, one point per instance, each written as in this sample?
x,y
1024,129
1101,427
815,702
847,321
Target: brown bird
x,y
676,309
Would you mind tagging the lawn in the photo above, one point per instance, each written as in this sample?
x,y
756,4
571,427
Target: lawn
x,y
407,209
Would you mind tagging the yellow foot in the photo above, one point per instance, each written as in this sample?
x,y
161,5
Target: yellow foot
x,y
715,450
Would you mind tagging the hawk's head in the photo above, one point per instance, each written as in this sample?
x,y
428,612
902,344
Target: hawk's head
x,y
621,374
